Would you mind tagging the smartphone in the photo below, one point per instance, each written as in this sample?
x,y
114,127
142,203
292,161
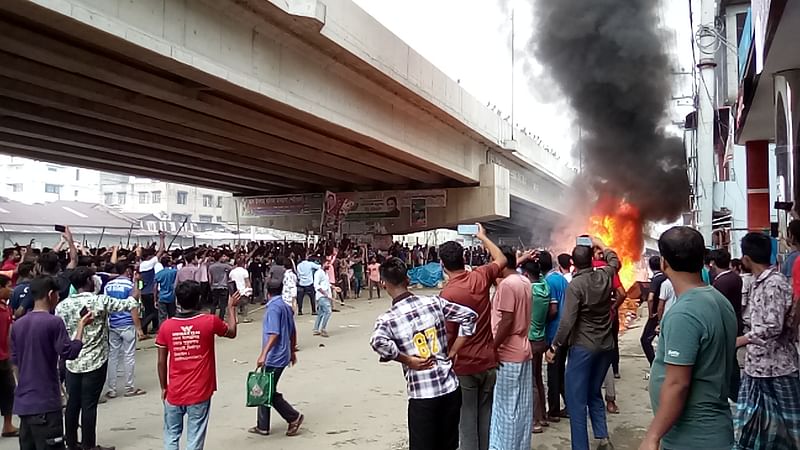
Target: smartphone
x,y
584,241
84,311
468,229
60,228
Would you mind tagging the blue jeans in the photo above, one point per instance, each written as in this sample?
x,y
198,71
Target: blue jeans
x,y
196,424
584,377
324,311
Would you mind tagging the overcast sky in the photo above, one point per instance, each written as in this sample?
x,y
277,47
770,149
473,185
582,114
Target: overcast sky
x,y
470,41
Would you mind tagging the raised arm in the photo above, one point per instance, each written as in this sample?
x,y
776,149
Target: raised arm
x,y
73,251
497,255
161,245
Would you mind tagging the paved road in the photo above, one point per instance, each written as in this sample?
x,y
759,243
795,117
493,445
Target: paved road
x,y
350,400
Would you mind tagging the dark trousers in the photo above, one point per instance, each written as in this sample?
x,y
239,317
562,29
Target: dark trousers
x,y
477,398
555,382
280,404
205,296
585,374
84,391
302,291
150,313
42,431
166,311
219,300
648,334
258,289
433,422
7,385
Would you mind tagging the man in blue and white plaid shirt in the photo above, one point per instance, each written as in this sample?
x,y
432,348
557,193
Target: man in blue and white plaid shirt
x,y
413,333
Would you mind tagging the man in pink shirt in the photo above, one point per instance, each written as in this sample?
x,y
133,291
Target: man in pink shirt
x,y
512,410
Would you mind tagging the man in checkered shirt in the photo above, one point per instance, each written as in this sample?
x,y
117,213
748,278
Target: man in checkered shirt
x,y
413,333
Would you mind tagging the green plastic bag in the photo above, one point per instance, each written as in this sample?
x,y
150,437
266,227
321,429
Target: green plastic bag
x,y
260,388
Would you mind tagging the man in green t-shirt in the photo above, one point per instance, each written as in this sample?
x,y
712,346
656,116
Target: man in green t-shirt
x,y
689,380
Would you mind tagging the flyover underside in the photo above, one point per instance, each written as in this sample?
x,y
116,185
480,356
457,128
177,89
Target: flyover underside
x,y
68,101
528,224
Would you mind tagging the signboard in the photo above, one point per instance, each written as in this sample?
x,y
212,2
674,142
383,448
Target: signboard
x,y
387,204
419,213
281,205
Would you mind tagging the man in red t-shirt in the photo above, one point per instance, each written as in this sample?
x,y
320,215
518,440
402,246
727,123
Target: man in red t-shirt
x,y
476,362
7,383
187,342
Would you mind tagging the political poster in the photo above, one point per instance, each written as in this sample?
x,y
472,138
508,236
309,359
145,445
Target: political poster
x,y
419,213
281,205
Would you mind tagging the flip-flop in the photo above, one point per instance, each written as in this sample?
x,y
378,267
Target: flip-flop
x,y
294,427
258,431
135,393
10,434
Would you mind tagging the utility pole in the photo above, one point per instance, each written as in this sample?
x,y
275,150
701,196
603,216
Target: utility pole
x,y
706,108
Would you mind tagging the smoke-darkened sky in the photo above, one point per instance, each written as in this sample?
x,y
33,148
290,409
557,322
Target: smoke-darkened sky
x,y
607,58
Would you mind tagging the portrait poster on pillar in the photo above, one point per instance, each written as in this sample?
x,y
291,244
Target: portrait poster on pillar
x,y
419,213
336,207
390,205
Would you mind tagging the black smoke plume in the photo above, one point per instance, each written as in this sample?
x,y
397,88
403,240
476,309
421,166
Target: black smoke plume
x,y
609,61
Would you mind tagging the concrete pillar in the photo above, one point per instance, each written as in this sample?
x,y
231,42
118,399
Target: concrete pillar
x,y
707,105
758,207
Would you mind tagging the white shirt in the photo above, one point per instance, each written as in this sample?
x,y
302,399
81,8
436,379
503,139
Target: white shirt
x,y
239,276
667,294
289,287
305,273
322,283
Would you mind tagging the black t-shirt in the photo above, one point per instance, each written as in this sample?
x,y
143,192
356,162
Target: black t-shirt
x,y
655,288
729,284
256,270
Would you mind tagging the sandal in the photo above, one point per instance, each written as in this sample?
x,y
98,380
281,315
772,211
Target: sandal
x,y
10,434
258,431
537,429
612,408
294,427
135,393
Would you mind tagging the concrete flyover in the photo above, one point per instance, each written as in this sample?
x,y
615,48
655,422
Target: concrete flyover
x,y
261,97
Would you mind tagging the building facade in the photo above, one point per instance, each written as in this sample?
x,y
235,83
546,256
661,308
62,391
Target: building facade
x,y
30,181
767,114
168,201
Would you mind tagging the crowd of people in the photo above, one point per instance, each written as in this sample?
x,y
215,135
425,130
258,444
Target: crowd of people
x,y
70,319
727,335
474,356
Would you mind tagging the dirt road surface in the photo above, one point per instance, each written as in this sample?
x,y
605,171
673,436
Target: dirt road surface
x,y
350,401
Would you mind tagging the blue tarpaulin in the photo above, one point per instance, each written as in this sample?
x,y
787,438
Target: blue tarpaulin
x,y
428,275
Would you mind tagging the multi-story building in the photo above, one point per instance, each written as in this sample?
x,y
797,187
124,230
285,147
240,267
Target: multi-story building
x,y
768,111
30,181
168,201
719,169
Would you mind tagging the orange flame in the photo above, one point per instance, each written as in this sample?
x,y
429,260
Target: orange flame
x,y
619,225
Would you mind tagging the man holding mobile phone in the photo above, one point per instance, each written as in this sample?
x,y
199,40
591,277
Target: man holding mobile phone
x,y
86,375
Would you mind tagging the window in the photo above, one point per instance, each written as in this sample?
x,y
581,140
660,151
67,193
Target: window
x,y
156,196
143,198
177,219
15,187
76,192
208,201
52,188
52,169
121,198
206,219
109,198
219,219
77,174
219,202
182,197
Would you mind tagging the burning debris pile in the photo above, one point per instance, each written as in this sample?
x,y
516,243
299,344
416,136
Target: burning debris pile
x,y
608,60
